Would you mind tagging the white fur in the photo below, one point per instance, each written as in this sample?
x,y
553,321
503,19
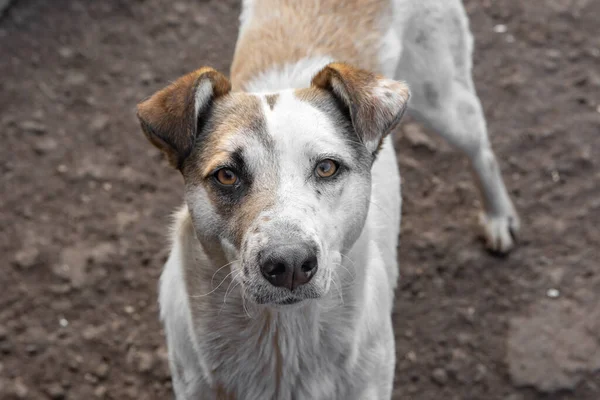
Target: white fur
x,y
204,92
294,75
246,15
340,346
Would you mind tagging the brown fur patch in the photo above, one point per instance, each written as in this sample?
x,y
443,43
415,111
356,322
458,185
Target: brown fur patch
x,y
313,95
235,114
348,31
168,118
221,393
271,100
246,213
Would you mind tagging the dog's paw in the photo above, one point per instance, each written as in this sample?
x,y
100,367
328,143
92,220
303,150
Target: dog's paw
x,y
500,232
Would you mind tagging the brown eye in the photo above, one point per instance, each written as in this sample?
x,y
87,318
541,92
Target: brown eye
x,y
326,168
226,177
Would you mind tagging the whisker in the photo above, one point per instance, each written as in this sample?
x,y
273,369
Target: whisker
x,y
349,259
380,208
244,304
215,289
350,273
334,304
217,271
227,291
337,286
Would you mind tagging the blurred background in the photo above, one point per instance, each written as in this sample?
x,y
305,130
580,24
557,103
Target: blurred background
x,y
84,201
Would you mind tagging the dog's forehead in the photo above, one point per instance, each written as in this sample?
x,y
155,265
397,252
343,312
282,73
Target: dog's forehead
x,y
285,122
299,129
290,118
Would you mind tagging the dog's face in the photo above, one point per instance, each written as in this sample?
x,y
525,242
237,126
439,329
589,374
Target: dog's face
x,y
281,180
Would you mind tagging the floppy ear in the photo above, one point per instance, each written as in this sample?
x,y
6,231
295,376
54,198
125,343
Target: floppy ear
x,y
376,104
170,117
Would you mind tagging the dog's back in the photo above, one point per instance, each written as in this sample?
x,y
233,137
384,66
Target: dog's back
x,y
277,33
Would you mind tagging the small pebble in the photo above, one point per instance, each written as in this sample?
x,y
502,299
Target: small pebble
x,y
27,257
33,127
554,54
146,77
65,52
75,78
56,391
500,28
21,391
100,392
45,145
99,123
553,293
102,370
440,376
145,362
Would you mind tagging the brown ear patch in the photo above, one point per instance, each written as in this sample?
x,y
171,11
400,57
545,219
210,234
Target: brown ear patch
x,y
169,118
376,104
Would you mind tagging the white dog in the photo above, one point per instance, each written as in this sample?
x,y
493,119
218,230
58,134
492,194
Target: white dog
x,y
281,276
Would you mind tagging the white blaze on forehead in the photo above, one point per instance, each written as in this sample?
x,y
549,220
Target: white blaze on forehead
x,y
300,130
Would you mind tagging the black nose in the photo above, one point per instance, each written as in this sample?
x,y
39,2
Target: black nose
x,y
289,265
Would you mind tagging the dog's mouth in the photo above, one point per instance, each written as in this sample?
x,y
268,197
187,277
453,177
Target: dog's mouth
x,y
278,299
289,301
285,301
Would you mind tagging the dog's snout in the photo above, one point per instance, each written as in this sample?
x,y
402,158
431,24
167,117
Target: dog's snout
x,y
289,265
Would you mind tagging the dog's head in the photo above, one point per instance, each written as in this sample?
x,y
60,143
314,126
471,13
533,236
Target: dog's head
x,y
282,180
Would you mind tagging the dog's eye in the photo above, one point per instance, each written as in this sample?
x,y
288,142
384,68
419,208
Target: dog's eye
x,y
226,177
326,168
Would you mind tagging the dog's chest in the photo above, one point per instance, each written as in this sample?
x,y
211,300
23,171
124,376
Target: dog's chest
x,y
278,357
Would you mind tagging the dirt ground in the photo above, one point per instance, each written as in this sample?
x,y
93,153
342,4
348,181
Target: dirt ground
x,y
85,199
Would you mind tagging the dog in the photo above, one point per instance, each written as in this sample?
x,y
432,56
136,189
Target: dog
x,y
281,277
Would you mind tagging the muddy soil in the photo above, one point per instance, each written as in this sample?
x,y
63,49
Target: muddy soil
x,y
85,200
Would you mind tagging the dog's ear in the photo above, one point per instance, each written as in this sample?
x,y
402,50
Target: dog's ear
x,y
170,117
375,104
